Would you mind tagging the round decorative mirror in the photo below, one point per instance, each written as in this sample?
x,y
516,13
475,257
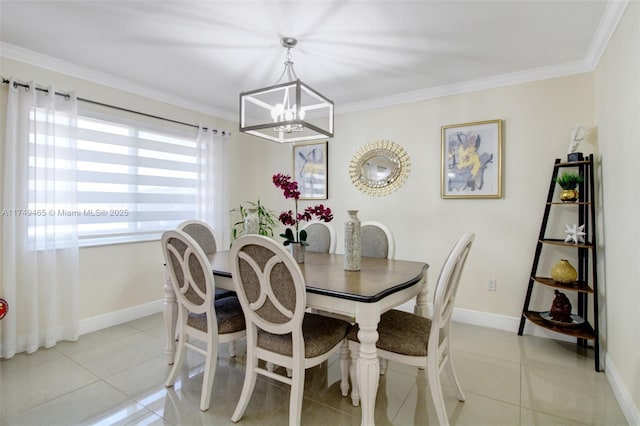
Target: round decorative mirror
x,y
379,168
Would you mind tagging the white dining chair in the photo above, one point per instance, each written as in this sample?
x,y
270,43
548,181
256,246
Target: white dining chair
x,y
200,317
272,292
321,237
376,240
417,341
204,235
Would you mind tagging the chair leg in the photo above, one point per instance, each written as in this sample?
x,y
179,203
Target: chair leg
x,y
436,391
383,366
249,382
210,363
354,351
295,399
178,322
453,378
344,368
177,361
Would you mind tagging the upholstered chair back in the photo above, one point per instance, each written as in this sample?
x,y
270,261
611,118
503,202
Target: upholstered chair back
x,y
376,241
269,284
321,237
202,233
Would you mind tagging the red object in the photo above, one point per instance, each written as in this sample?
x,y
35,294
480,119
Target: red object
x,y
4,308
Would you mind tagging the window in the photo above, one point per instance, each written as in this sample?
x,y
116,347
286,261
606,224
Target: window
x,y
134,180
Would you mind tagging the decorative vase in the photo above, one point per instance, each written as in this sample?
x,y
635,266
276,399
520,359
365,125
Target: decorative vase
x,y
352,242
563,272
561,308
297,251
569,195
252,221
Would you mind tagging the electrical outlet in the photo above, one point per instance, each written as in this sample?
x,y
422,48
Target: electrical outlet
x,y
491,284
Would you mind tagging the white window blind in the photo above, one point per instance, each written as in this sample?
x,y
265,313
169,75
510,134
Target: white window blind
x,y
134,180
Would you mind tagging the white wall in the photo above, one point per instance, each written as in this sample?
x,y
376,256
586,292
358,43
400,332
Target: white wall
x,y
617,83
538,118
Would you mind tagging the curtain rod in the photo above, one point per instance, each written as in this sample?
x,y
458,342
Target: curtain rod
x,y
89,101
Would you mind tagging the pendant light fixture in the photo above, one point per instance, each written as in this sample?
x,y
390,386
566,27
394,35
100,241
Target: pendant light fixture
x,y
288,111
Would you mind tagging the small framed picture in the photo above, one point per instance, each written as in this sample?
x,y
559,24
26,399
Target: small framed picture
x,y
472,160
310,170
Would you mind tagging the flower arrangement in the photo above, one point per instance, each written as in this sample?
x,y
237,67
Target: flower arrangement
x,y
293,218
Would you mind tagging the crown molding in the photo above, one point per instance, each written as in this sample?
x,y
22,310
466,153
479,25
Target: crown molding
x,y
510,79
57,65
607,26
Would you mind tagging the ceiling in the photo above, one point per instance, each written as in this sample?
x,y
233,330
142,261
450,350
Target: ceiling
x,y
360,54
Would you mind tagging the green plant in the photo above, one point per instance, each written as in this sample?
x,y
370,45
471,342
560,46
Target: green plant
x,y
266,219
569,180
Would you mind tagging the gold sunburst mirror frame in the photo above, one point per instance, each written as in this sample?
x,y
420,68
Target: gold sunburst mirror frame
x,y
379,168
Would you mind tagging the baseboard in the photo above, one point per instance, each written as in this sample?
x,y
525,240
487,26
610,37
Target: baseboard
x,y
119,317
627,405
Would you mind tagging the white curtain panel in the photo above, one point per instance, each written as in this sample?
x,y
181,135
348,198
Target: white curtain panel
x,y
39,232
213,183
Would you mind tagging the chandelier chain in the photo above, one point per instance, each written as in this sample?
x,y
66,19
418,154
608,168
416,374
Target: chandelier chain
x,y
288,71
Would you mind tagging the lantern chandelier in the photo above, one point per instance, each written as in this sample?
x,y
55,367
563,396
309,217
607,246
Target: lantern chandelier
x,y
288,111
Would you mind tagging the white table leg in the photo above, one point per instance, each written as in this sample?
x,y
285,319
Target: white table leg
x,y
368,364
421,307
170,317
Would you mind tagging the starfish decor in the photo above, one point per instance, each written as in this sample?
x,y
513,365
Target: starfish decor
x,y
575,234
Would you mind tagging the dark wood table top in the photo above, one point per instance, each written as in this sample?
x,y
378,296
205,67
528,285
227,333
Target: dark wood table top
x,y
324,274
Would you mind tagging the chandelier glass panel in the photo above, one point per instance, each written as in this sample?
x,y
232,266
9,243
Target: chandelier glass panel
x,y
288,111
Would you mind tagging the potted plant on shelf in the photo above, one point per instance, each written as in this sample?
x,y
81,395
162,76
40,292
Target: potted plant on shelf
x,y
569,183
266,219
297,239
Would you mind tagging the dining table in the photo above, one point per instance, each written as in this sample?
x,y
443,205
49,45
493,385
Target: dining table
x,y
379,285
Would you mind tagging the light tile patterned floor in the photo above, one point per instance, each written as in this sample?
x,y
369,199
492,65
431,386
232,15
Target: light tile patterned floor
x,y
115,376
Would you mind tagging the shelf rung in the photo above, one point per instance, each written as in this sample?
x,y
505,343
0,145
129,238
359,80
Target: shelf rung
x,y
562,243
582,331
579,286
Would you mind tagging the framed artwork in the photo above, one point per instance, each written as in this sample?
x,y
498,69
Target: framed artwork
x,y
310,170
472,160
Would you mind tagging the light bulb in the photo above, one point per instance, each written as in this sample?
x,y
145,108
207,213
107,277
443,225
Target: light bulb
x,y
276,112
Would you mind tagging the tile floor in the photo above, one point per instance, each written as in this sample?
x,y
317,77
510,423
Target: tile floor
x,y
115,377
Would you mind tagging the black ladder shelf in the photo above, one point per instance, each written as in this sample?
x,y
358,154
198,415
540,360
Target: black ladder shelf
x,y
587,282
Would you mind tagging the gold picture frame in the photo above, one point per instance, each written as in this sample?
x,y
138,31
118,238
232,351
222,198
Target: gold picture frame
x,y
471,160
310,170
